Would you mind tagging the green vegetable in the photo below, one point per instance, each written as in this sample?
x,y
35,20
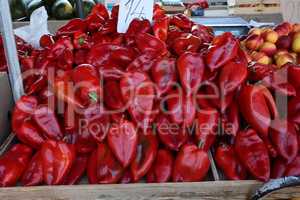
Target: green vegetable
x,y
17,9
33,5
62,9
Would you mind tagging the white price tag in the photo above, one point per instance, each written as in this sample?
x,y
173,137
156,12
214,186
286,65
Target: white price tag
x,y
131,9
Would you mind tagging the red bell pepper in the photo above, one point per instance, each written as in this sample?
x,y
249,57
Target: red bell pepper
x,y
145,156
191,164
181,21
101,10
231,76
103,167
207,127
138,93
293,169
163,73
29,134
23,111
33,174
138,26
71,27
78,168
81,41
181,107
186,43
205,33
112,95
93,121
227,160
162,167
190,67
143,63
57,161
122,140
285,139
223,49
148,43
160,28
258,71
94,22
253,154
46,120
231,120
87,81
13,163
170,134
47,41
278,168
258,108
127,178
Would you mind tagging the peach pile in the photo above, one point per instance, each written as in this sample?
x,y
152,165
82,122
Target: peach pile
x,y
278,46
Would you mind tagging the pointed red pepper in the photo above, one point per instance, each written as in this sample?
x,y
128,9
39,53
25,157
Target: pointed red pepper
x,y
207,127
191,164
112,95
94,22
81,40
148,43
46,120
228,162
190,67
143,63
284,137
223,49
171,135
253,154
258,108
181,21
161,171
145,156
160,28
182,109
103,167
293,109
33,174
138,26
205,33
57,160
23,111
13,163
101,10
187,43
293,169
71,27
231,120
293,74
77,170
123,140
163,74
258,71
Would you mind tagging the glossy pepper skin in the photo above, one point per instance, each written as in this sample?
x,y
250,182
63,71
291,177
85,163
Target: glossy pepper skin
x,y
293,110
191,164
71,27
181,21
186,43
112,95
87,80
223,49
160,28
29,134
173,139
13,163
258,108
57,161
163,73
23,111
293,169
143,63
190,67
181,107
161,171
230,120
78,168
284,137
207,126
103,167
33,175
148,43
253,154
145,156
46,120
123,140
227,160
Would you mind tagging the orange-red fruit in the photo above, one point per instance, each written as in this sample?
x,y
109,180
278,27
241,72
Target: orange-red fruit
x,y
284,42
254,42
268,48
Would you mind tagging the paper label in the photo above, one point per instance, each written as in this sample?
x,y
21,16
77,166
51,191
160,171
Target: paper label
x,y
131,9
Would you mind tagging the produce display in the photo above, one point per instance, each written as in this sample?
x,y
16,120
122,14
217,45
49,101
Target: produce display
x,y
149,104
57,9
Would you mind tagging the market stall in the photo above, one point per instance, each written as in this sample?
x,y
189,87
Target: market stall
x,y
137,103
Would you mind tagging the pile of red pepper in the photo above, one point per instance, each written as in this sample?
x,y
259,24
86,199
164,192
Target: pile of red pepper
x,y
148,104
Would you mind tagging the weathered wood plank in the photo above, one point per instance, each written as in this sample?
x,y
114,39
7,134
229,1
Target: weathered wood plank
x,y
178,191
